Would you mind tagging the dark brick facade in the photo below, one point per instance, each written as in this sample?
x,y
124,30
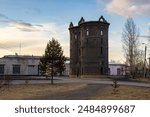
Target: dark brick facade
x,y
89,47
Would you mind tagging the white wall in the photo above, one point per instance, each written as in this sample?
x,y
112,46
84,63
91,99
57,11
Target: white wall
x,y
24,65
113,69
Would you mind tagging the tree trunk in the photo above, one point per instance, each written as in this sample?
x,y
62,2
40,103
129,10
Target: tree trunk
x,y
52,73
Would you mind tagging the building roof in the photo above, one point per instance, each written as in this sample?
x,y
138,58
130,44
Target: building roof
x,y
22,56
117,64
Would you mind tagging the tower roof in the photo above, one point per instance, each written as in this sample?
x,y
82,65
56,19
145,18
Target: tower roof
x,y
81,21
102,19
71,25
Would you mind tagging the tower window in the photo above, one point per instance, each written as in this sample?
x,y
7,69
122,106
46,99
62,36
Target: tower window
x,y
101,32
101,20
75,36
87,32
102,70
101,40
101,50
87,40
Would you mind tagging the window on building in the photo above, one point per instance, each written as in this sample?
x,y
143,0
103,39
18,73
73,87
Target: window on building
x,y
101,19
87,32
103,62
118,71
102,70
1,69
101,32
87,40
75,36
101,50
101,40
100,63
16,69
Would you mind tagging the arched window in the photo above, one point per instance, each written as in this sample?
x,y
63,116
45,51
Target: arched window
x,y
102,70
101,32
101,50
87,40
87,32
75,36
101,40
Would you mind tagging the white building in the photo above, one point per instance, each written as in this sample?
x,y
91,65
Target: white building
x,y
67,70
23,65
19,65
117,69
29,65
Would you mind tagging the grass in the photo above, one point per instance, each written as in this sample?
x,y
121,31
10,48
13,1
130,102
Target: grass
x,y
124,93
34,90
38,90
143,79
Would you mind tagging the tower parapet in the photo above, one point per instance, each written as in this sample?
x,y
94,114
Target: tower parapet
x,y
81,21
71,25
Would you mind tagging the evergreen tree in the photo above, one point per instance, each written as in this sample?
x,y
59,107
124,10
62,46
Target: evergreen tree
x,y
53,61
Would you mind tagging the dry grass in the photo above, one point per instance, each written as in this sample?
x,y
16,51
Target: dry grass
x,y
38,90
26,91
144,79
124,93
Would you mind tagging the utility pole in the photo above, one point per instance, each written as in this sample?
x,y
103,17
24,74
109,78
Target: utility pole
x,y
20,48
149,67
145,62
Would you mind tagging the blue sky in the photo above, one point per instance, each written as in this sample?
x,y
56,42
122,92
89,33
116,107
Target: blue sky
x,y
32,23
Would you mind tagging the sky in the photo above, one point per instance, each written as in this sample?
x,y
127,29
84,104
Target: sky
x,y
27,25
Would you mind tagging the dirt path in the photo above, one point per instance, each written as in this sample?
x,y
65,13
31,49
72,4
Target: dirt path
x,y
80,94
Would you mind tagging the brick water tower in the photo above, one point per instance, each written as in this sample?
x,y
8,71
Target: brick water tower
x,y
89,48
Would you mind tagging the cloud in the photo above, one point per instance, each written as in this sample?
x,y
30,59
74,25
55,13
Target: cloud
x,y
4,18
21,25
27,27
148,24
32,42
128,7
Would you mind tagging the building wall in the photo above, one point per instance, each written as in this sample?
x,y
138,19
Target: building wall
x,y
117,69
28,65
67,70
89,47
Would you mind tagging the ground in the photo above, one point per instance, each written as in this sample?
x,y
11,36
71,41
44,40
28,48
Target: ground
x,y
73,91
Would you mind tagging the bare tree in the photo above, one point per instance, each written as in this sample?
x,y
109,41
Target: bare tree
x,y
148,37
131,44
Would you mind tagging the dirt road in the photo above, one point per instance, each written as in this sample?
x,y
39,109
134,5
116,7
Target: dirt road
x,y
80,94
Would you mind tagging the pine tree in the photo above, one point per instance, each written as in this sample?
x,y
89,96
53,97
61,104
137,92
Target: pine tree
x,y
53,61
